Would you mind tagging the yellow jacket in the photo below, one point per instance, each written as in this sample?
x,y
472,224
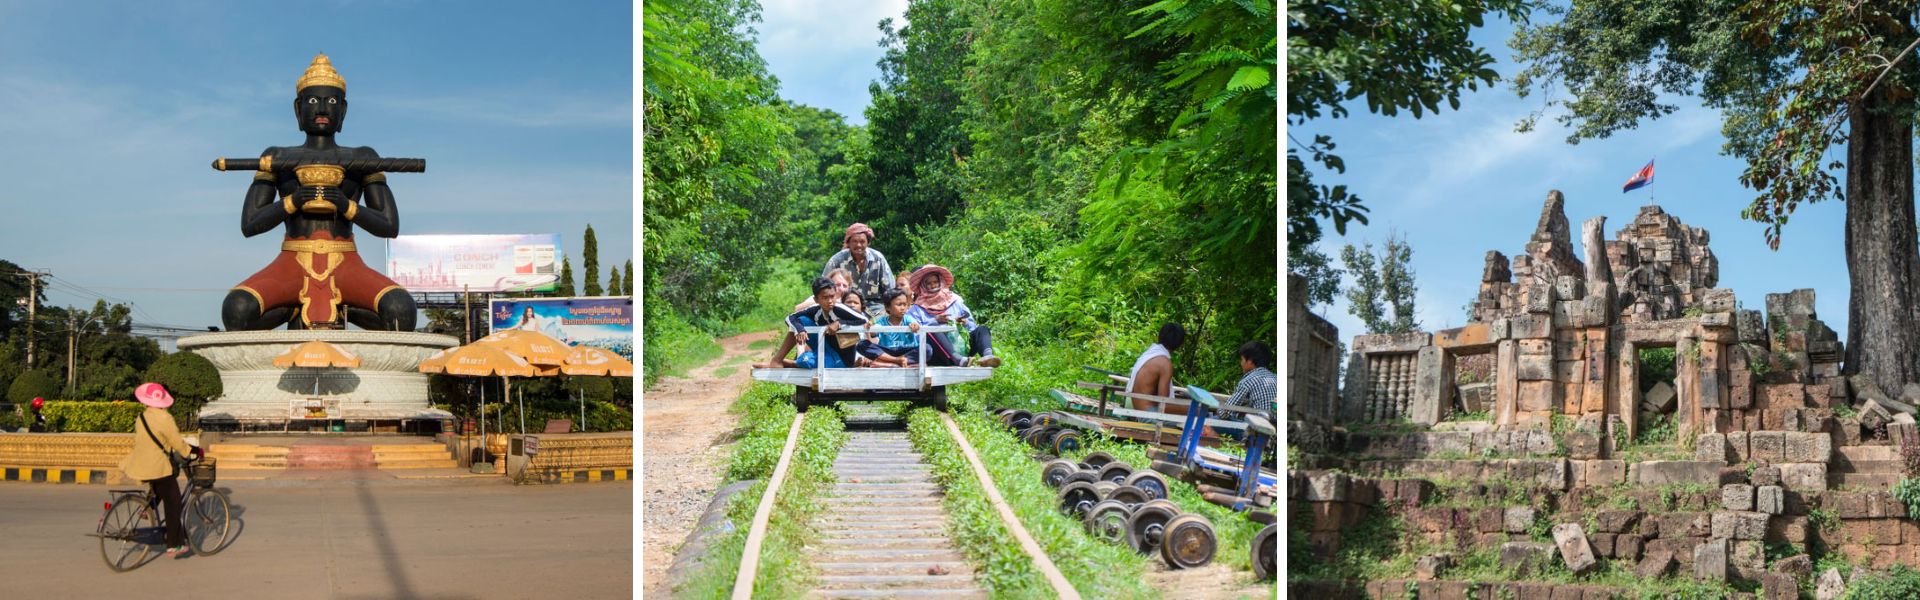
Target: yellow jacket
x,y
149,461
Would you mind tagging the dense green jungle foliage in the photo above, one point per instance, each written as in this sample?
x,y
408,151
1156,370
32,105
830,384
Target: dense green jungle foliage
x,y
1088,172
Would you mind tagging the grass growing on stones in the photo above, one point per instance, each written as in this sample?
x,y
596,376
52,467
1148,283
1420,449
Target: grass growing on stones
x,y
1899,582
785,567
1095,568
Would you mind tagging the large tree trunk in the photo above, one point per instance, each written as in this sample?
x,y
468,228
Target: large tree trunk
x,y
1883,261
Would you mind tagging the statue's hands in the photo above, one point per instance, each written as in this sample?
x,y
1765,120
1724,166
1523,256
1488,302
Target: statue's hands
x,y
329,194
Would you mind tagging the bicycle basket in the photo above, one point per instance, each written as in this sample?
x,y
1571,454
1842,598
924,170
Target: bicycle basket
x,y
202,472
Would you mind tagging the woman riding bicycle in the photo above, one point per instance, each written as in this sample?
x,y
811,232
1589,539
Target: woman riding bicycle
x,y
158,451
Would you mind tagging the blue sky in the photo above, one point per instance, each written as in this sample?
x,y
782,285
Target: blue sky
x,y
1460,183
826,58
113,110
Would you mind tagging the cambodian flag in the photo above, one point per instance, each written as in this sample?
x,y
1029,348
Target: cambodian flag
x,y
1640,180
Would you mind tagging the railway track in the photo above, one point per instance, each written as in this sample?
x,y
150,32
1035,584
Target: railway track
x,y
883,533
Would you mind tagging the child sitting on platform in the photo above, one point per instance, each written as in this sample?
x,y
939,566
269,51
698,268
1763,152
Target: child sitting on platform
x,y
892,349
825,312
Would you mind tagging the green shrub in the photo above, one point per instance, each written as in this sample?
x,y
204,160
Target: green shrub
x,y
37,383
1907,491
92,417
1902,583
673,345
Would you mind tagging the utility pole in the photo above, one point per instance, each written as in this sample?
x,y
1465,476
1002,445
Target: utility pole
x,y
33,310
466,300
73,344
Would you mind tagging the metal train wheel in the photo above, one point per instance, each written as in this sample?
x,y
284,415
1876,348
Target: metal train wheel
x,y
1107,521
1104,488
802,397
1019,419
1148,525
1129,495
1266,551
1077,498
1046,441
1066,440
1078,477
1097,459
1116,472
1189,542
1055,473
1151,482
1046,419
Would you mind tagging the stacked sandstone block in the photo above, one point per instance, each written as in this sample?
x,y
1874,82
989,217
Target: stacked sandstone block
x,y
1335,502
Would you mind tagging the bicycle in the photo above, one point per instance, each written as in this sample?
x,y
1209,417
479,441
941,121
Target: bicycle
x,y
131,527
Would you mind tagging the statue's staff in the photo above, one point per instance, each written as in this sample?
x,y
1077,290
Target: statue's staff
x,y
352,165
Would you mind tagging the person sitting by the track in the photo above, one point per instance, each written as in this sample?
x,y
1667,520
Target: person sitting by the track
x,y
892,349
1152,373
934,303
1257,388
826,312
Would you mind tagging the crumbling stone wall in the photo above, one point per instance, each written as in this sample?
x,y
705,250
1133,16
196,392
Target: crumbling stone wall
x,y
1313,364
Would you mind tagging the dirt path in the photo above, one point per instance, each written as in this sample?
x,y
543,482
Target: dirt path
x,y
686,421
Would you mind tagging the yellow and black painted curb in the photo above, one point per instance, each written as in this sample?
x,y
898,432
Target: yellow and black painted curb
x,y
580,475
54,475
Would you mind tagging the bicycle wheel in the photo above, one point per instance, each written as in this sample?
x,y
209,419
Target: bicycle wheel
x,y
208,517
121,545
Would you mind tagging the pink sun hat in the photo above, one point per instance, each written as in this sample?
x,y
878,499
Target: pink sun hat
x,y
152,394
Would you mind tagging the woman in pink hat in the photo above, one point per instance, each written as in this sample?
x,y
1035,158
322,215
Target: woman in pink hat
x,y
935,302
158,451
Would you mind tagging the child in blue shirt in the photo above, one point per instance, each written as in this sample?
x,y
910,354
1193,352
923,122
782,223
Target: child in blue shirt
x,y
892,349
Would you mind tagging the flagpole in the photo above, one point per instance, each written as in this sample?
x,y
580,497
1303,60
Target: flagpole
x,y
1650,182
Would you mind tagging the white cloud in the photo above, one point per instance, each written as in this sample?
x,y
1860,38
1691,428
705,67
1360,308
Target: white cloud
x,y
808,26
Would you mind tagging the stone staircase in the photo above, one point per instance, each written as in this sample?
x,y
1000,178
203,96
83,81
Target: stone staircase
x,y
1865,467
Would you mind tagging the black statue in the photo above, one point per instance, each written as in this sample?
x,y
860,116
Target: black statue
x,y
320,191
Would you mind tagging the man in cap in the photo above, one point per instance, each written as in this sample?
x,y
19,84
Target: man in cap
x,y
871,274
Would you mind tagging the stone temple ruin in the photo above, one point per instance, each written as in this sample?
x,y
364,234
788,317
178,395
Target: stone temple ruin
x,y
1530,433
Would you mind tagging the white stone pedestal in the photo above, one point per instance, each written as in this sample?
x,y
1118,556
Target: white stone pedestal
x,y
387,385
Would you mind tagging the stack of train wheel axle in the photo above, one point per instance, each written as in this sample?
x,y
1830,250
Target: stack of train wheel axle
x,y
1124,505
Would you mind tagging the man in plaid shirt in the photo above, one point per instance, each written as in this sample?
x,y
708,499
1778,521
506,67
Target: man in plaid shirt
x,y
1257,388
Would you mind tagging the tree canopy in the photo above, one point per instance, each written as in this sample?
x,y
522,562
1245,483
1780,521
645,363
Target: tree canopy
x,y
1400,56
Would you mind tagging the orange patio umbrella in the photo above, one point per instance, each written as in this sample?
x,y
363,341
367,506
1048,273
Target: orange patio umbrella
x,y
588,360
535,347
484,360
316,355
591,361
432,363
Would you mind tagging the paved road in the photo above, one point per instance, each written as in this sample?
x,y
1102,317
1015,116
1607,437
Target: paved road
x,y
448,539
